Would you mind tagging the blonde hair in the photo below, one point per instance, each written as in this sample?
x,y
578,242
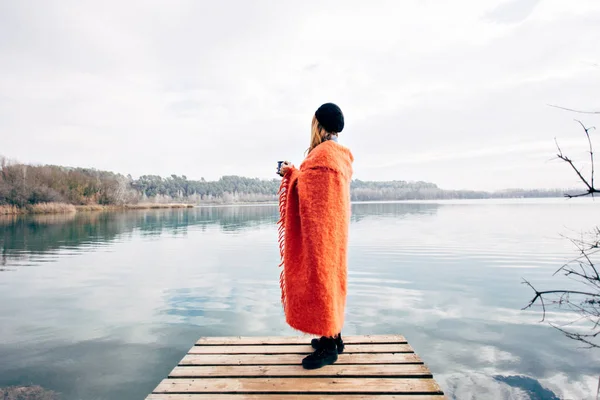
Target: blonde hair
x,y
318,134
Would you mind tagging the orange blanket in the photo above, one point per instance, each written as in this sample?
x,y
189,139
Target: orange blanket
x,y
314,204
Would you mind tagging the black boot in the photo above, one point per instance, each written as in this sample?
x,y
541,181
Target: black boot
x,y
316,343
325,355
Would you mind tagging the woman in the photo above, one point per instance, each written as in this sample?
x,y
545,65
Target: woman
x,y
314,203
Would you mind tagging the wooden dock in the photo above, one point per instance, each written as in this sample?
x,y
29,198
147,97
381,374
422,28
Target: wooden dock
x,y
232,368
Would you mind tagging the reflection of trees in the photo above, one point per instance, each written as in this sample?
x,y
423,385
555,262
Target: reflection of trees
x,y
37,234
237,217
391,210
23,235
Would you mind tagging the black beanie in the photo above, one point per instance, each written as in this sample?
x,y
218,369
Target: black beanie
x,y
330,117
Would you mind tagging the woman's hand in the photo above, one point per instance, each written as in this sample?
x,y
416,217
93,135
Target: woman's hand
x,y
285,167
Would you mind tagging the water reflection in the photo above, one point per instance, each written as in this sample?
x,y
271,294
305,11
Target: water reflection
x,y
361,211
24,236
109,302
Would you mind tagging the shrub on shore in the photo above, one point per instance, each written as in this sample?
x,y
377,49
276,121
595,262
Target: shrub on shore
x,y
51,208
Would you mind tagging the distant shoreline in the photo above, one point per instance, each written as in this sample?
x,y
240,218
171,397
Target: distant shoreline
x,y
63,208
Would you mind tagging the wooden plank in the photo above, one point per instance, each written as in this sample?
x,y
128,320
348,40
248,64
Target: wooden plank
x,y
156,396
235,368
300,385
298,349
367,370
293,359
275,340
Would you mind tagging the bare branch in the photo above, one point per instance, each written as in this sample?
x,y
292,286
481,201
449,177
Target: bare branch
x,y
568,292
590,184
580,337
537,296
572,196
572,110
583,302
587,133
591,265
570,162
586,250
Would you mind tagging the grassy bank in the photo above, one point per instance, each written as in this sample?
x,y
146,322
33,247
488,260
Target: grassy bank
x,y
140,206
40,208
63,208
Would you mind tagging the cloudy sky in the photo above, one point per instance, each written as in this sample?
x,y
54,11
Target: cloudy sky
x,y
454,93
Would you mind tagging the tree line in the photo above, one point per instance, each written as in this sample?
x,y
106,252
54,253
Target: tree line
x,y
22,185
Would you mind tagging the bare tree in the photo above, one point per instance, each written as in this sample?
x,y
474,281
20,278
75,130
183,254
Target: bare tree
x,y
588,182
582,269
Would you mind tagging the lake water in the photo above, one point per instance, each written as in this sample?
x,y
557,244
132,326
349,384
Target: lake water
x,y
103,305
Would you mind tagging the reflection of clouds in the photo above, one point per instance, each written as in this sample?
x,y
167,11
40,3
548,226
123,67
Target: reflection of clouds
x,y
583,388
461,308
476,386
429,279
255,309
457,336
241,293
477,311
493,355
460,381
